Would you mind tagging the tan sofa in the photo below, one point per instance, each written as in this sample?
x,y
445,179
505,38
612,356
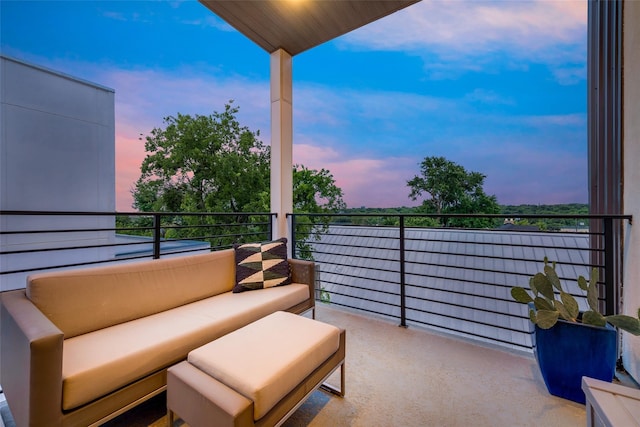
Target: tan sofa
x,y
82,346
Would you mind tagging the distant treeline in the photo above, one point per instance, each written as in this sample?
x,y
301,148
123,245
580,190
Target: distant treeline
x,y
512,211
566,209
563,209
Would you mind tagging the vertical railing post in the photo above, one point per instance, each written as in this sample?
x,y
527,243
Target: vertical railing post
x,y
156,235
270,226
293,235
403,307
609,269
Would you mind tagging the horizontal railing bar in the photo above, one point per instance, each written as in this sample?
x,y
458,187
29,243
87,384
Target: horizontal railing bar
x,y
173,252
363,277
98,213
450,304
363,309
27,270
453,215
67,248
479,270
496,257
360,298
360,288
470,334
72,230
367,268
463,242
225,224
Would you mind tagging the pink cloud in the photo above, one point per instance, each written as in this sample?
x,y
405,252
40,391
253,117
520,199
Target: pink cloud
x,y
364,181
129,155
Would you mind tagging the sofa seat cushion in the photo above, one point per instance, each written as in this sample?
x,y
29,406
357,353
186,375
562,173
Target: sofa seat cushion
x,y
267,359
102,361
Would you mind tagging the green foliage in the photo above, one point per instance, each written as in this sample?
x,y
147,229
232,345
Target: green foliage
x,y
213,164
453,190
388,217
546,286
313,192
325,296
551,224
202,164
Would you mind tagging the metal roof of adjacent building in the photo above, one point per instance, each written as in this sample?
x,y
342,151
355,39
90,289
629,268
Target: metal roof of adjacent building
x,y
456,280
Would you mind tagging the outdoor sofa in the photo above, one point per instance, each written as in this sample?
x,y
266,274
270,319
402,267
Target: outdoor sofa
x,y
81,346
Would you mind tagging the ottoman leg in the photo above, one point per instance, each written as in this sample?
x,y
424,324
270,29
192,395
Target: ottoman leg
x,y
334,390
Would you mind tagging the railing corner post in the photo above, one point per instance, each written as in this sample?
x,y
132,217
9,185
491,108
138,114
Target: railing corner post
x,y
403,307
293,235
609,268
157,235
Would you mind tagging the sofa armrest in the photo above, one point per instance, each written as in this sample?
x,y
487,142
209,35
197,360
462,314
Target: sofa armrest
x,y
31,361
303,271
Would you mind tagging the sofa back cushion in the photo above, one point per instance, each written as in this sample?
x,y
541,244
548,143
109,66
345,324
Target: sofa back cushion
x,y
85,300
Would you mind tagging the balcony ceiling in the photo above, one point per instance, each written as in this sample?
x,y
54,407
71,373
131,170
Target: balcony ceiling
x,y
299,25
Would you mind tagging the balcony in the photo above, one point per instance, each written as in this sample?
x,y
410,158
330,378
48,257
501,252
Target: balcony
x,y
433,336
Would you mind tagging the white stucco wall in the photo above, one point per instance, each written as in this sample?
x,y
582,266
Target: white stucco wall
x,y
631,144
57,153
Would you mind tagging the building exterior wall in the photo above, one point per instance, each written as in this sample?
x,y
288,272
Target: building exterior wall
x,y
631,144
57,153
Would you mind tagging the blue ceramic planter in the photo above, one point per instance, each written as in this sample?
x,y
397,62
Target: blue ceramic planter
x,y
568,351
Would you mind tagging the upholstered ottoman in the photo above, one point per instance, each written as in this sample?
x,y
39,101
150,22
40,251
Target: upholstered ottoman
x,y
257,375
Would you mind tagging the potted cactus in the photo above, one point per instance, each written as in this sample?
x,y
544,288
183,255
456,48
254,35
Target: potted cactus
x,y
570,344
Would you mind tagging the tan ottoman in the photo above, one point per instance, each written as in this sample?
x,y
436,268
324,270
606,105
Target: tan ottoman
x,y
257,375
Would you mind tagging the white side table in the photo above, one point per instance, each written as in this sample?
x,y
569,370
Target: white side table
x,y
611,405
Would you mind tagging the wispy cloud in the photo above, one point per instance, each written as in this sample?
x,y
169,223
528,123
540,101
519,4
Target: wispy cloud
x,y
211,22
489,97
463,35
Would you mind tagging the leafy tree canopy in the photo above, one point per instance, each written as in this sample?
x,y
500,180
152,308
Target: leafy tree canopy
x,y
213,164
451,189
203,164
315,191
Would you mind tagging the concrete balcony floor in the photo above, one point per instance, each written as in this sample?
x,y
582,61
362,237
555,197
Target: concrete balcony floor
x,y
412,377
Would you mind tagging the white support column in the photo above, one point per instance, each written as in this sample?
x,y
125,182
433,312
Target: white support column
x,y
281,142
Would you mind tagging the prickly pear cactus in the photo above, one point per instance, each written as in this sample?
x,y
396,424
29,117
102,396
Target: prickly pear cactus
x,y
551,302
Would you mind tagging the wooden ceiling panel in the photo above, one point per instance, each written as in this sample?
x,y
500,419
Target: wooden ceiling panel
x,y
299,25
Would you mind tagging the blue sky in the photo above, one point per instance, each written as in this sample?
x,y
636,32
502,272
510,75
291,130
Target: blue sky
x,y
498,87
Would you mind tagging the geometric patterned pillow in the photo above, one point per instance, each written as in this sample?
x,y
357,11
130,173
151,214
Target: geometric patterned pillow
x,y
261,265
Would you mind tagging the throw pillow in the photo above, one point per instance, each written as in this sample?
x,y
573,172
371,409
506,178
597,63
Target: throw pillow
x,y
261,265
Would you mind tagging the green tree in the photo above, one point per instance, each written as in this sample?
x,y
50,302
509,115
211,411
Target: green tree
x,y
451,189
315,191
203,164
213,164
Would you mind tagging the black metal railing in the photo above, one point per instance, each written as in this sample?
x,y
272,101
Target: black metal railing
x,y
33,241
403,267
455,280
